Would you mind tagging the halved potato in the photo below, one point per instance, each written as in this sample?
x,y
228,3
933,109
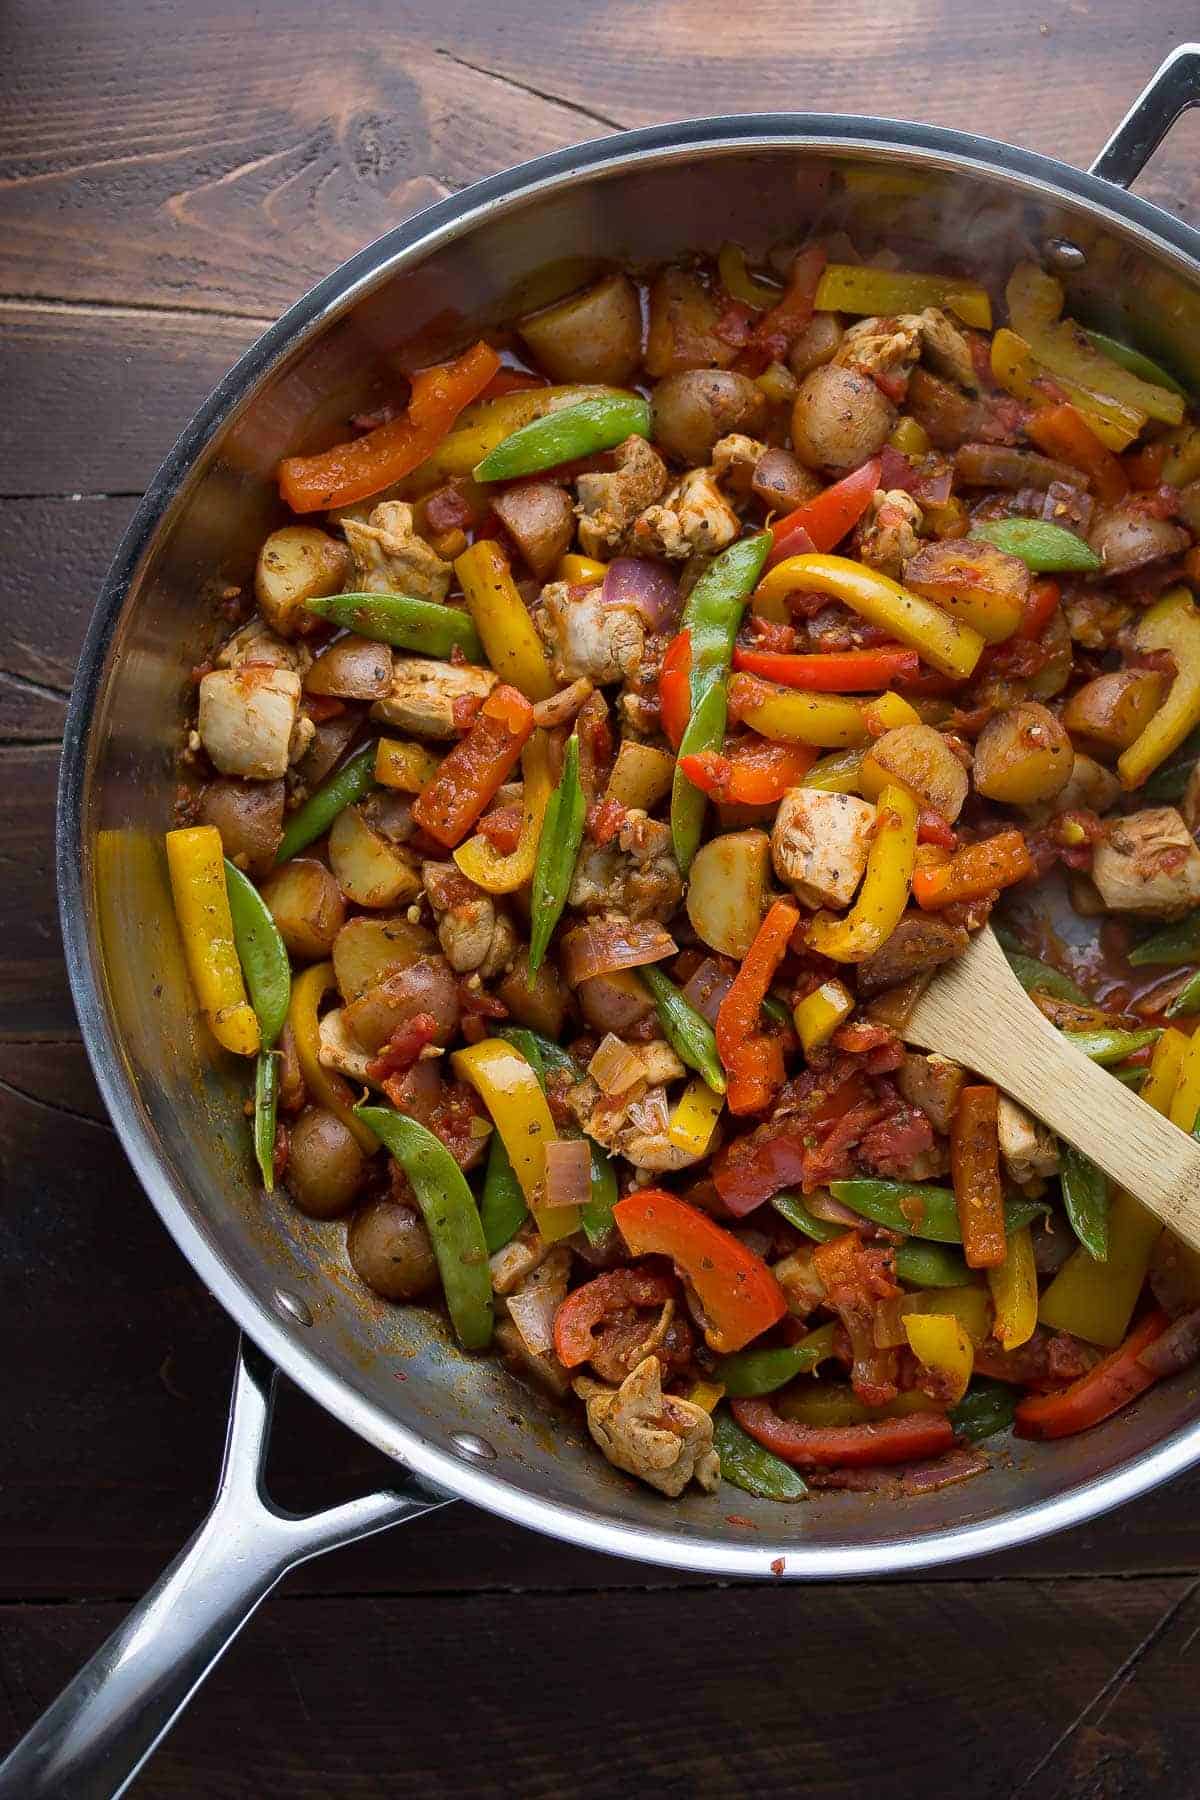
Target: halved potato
x,y
641,775
972,581
726,888
594,336
354,668
920,759
370,871
1023,755
296,564
365,950
1115,708
307,906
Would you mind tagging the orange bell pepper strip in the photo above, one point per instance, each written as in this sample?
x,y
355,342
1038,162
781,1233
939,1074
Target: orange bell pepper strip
x,y
906,1439
740,1296
821,523
839,672
1096,1395
360,468
973,871
1041,603
776,329
975,1165
1063,432
674,688
478,765
757,773
754,1061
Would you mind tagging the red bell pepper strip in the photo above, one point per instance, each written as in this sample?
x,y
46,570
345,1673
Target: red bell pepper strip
x,y
752,1059
1041,604
674,688
356,470
478,765
1096,1395
775,331
582,1313
909,1438
973,871
839,672
756,773
1064,433
825,521
740,1296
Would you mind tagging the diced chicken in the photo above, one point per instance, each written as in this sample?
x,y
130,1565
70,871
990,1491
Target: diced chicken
x,y
249,720
545,1369
819,844
663,1441
887,536
475,937
632,1125
518,1258
610,502
340,1049
257,643
637,876
945,348
659,1062
391,558
802,1287
735,458
919,944
427,696
694,517
1148,863
880,346
932,1083
587,638
1029,1148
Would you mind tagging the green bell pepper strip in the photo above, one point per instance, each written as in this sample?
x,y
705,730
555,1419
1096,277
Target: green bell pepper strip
x,y
542,1055
1175,944
346,785
1039,978
261,952
1187,1000
573,431
403,620
557,851
1046,549
921,1265
1106,1044
986,1408
746,1465
689,1034
451,1219
1086,1195
750,1373
879,1201
502,1208
266,1107
1136,361
1169,781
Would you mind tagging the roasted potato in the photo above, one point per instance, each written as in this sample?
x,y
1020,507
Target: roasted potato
x,y
325,1166
249,817
1109,712
425,986
540,519
920,759
683,319
389,1250
726,890
298,563
1023,755
697,406
782,482
307,906
641,775
972,581
539,1001
370,870
353,668
365,950
815,345
593,336
839,419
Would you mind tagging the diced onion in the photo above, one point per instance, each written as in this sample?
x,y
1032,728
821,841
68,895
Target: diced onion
x,y
568,1172
833,1212
615,1068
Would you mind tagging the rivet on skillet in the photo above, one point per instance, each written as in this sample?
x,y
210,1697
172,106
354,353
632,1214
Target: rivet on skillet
x,y
469,1443
1064,253
291,1306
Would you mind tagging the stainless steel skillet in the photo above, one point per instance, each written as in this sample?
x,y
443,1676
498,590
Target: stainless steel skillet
x,y
457,1427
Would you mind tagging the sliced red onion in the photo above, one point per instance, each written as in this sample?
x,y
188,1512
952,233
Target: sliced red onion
x,y
646,586
833,1212
942,1471
613,942
707,988
1177,1348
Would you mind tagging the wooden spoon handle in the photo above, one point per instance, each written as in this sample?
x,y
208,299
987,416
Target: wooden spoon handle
x,y
977,1012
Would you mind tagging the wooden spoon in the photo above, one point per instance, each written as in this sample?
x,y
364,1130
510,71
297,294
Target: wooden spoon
x,y
976,1011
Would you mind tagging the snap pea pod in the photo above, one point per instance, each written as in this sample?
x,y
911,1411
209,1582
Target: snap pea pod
x,y
705,730
746,1465
558,848
921,1265
880,1201
346,785
1176,943
542,1055
750,1373
986,1408
1039,978
558,437
1106,1044
1046,549
687,1031
1136,361
266,1109
1169,781
502,1208
261,952
403,620
1187,1000
776,1010
1086,1195
451,1219
1130,1075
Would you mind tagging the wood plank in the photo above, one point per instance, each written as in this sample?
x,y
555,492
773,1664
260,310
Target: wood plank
x,y
34,998
736,1691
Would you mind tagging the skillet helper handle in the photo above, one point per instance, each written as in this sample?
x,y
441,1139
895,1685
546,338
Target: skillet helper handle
x,y
1170,91
95,1737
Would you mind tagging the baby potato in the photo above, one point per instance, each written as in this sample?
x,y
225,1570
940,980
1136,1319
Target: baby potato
x,y
972,581
307,906
367,950
920,759
815,345
683,327
353,668
594,336
1024,754
389,1250
370,871
697,406
1115,708
296,564
726,888
840,418
325,1165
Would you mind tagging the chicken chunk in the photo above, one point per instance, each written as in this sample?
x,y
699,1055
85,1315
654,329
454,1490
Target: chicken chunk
x,y
880,346
340,1049
735,458
250,723
426,695
391,558
1029,1149
819,844
475,937
945,348
586,638
1148,864
257,643
610,502
694,517
637,876
632,1124
932,1083
663,1441
887,536
659,1062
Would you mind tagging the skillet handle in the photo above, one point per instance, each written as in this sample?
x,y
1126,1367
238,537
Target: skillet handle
x,y
95,1737
1170,91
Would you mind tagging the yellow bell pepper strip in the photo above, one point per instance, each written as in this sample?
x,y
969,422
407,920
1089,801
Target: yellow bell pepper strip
x,y
1185,1101
969,1303
909,438
1094,1300
1171,624
694,1118
738,282
324,1085
940,1344
451,1219
408,767
787,715
480,861
1014,1291
837,774
706,1394
945,643
1016,370
739,1295
513,647
884,891
819,1014
360,468
196,863
346,785
1013,367
857,288
580,569
563,436
887,712
509,1088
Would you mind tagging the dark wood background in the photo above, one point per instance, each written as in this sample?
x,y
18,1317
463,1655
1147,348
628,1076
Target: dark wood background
x,y
172,174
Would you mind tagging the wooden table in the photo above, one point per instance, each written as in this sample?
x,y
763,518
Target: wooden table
x,y
171,177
